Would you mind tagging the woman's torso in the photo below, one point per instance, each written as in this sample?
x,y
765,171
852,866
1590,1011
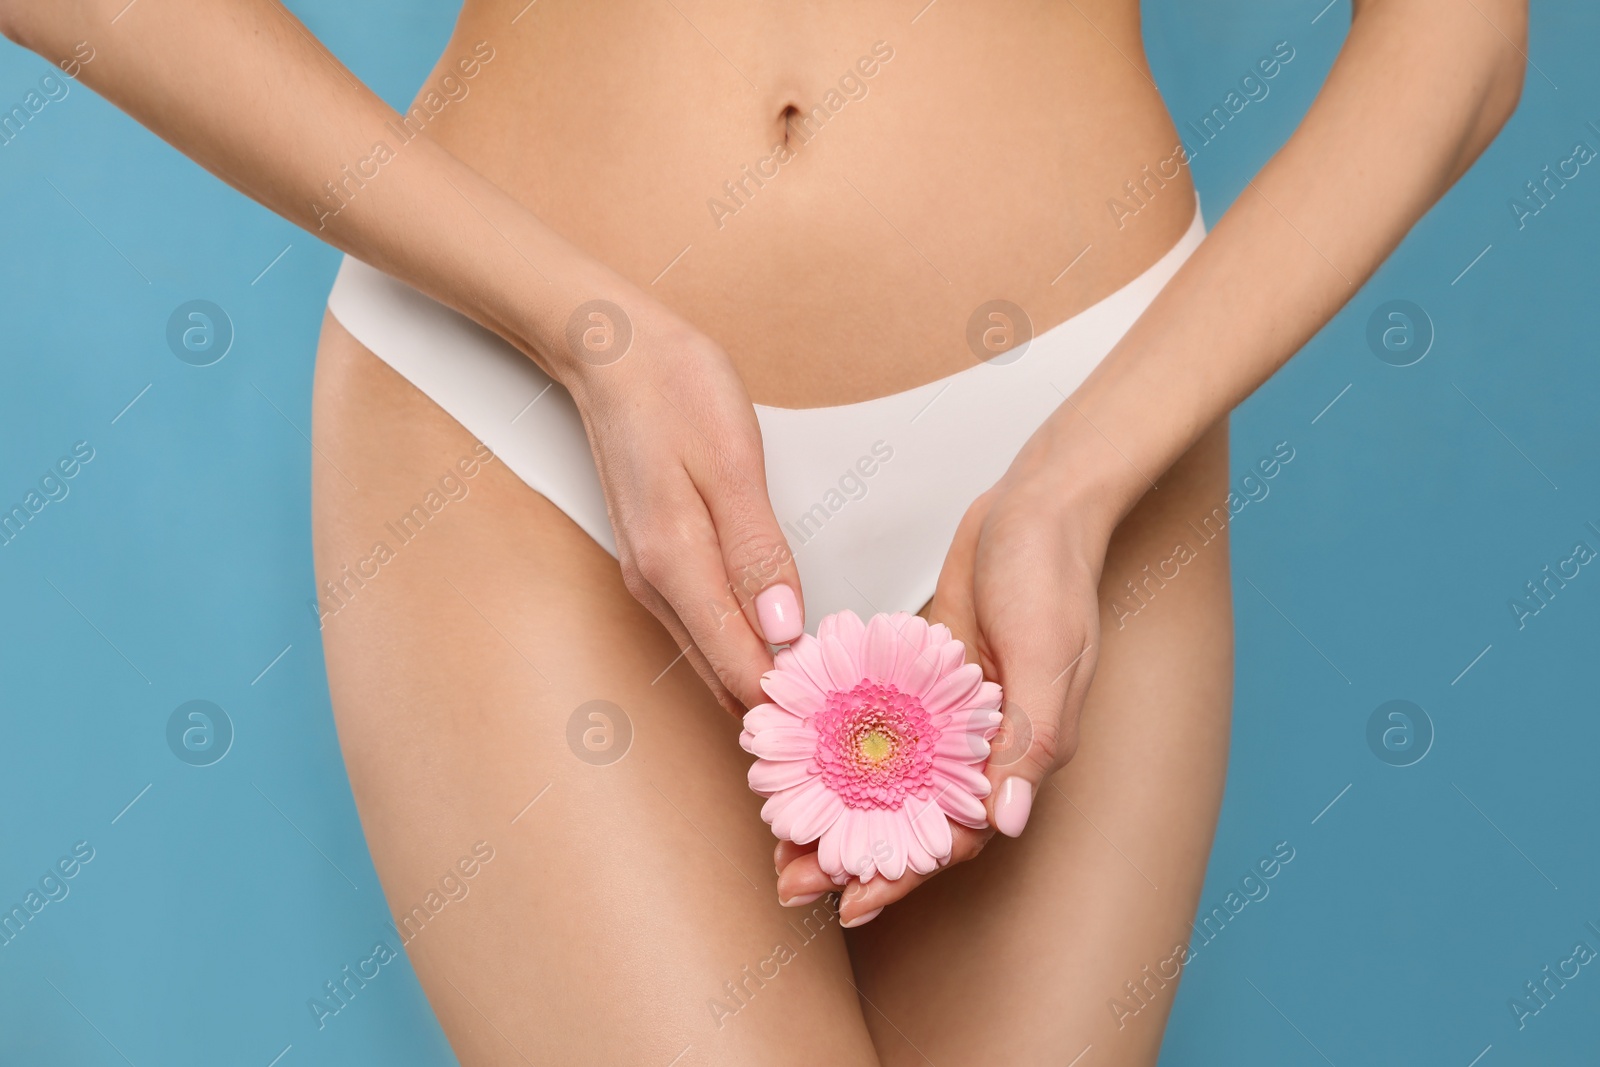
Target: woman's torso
x,y
829,190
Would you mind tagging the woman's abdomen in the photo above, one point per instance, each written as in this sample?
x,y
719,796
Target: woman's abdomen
x,y
833,192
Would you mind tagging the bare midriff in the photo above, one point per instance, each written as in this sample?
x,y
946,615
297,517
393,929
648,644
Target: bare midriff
x,y
829,190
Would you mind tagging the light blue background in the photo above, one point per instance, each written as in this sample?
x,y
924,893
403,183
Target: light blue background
x,y
179,566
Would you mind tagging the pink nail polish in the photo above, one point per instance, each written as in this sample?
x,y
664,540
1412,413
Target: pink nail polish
x,y
861,920
800,901
779,613
1011,808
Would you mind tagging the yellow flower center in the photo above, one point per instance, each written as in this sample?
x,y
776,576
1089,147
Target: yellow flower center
x,y
876,746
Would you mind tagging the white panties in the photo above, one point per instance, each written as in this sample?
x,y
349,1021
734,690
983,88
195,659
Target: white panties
x,y
869,494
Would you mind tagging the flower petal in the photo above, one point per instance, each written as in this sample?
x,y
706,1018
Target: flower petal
x,y
931,828
888,841
745,737
805,655
851,628
774,808
920,860
828,849
797,806
939,634
957,803
917,673
912,631
962,746
954,690
948,659
988,696
769,776
770,717
918,626
784,744
829,626
855,845
847,623
878,650
794,692
841,664
967,777
820,811
981,722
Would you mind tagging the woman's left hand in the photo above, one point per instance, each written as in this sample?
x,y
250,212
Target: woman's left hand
x,y
1020,587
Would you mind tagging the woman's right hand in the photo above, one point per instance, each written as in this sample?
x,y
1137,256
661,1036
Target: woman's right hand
x,y
244,90
678,449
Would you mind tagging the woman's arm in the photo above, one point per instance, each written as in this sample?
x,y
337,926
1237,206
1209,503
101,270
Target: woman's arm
x,y
1419,90
243,89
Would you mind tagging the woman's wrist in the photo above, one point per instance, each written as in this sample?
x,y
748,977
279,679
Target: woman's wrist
x,y
578,319
487,255
1080,473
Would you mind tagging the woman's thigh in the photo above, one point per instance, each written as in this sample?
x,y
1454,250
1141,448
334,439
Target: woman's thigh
x,y
506,709
1058,941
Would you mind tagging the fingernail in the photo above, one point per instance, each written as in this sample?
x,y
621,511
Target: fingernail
x,y
1012,808
779,613
800,901
862,919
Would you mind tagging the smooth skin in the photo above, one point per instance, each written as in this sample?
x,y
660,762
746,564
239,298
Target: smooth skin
x,y
630,898
620,903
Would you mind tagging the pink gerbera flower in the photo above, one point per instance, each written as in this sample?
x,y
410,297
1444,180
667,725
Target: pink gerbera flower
x,y
875,739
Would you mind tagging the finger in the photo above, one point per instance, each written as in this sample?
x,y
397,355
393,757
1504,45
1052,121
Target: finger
x,y
803,880
1044,682
952,602
787,852
702,667
684,566
861,902
657,605
761,571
